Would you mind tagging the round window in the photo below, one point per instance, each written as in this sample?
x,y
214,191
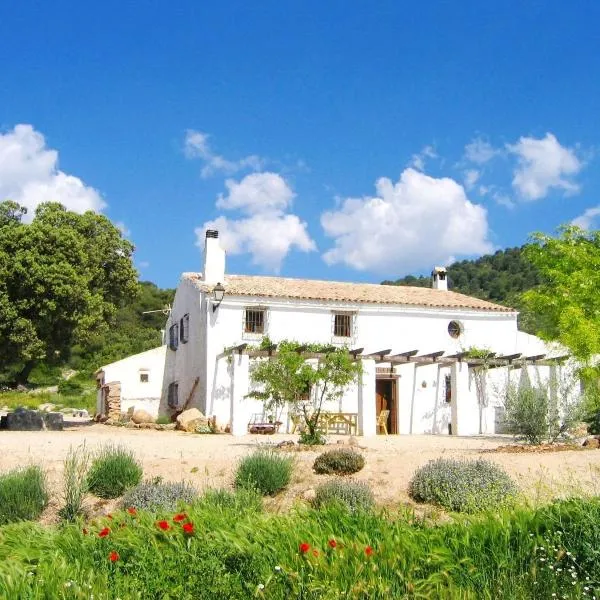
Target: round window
x,y
455,329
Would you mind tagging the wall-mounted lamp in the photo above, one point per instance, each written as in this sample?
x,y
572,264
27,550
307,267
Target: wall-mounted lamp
x,y
218,295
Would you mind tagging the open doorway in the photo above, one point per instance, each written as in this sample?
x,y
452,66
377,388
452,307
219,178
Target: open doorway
x,y
385,399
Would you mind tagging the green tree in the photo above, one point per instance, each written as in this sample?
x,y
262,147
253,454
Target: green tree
x,y
567,301
288,379
62,278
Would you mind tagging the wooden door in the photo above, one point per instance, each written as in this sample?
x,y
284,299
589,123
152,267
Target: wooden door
x,y
385,399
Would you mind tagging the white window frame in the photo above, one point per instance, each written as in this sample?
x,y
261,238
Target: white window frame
x,y
338,339
249,335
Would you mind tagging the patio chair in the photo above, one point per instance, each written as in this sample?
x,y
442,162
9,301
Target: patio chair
x,y
382,420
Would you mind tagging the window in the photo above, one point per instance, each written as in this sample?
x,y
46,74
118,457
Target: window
x,y
174,336
144,377
448,388
455,329
342,325
184,328
254,320
173,395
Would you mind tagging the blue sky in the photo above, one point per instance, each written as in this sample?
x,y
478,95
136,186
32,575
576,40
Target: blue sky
x,y
336,140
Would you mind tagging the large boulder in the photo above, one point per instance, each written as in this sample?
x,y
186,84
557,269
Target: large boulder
x,y
142,416
191,420
592,442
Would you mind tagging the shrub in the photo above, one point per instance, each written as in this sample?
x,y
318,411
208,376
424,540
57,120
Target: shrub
x,y
462,486
312,439
242,500
114,470
265,471
164,420
341,461
74,483
157,496
23,495
68,387
354,495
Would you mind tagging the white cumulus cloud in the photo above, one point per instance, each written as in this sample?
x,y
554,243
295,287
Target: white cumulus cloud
x,y
29,174
418,160
266,230
196,146
409,225
588,219
480,151
543,164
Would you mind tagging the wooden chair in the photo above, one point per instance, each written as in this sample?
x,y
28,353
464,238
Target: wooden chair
x,y
382,421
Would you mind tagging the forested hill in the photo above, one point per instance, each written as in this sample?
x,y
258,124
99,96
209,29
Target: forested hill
x,y
499,277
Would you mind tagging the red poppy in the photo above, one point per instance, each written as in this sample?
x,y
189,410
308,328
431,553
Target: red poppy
x,y
104,532
188,528
304,547
85,531
131,510
180,517
332,543
163,525
113,556
368,551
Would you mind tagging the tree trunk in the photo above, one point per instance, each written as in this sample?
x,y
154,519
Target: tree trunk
x,y
23,375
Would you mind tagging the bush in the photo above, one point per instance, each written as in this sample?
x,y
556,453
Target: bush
x,y
114,470
312,439
68,387
74,483
240,501
342,461
23,495
265,471
356,496
157,496
462,486
164,420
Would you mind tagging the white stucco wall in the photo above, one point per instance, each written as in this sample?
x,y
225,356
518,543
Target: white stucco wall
x,y
422,407
134,392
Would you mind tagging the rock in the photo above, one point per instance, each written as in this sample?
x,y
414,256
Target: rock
x,y
130,425
24,420
285,444
53,421
169,427
47,407
142,416
592,443
191,419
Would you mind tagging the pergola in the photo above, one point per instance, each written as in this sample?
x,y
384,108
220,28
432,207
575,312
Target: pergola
x,y
402,365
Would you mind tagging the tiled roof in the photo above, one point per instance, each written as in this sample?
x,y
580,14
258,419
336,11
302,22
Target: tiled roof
x,y
338,291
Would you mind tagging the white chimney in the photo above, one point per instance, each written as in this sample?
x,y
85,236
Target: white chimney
x,y
439,278
214,258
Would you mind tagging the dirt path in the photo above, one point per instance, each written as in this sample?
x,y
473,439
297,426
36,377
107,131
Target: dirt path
x,y
210,460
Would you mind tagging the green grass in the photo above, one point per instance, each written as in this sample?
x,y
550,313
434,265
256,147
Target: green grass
x,y
32,400
23,494
114,470
265,471
229,553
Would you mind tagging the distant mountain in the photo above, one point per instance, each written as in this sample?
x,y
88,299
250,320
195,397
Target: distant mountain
x,y
499,277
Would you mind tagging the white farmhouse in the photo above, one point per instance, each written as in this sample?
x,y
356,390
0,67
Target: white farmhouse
x,y
412,343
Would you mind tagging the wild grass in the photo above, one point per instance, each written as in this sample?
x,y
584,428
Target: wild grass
x,y
23,494
352,495
114,470
32,400
210,550
265,471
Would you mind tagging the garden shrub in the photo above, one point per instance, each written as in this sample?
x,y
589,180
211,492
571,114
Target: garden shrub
x,y
312,439
265,471
74,483
356,496
23,494
462,486
113,470
164,420
341,461
157,496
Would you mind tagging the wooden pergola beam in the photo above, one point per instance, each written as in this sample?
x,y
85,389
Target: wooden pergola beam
x,y
356,351
381,353
405,355
239,348
535,358
433,355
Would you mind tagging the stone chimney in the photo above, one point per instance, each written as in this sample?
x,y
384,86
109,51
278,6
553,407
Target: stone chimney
x,y
214,259
439,279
